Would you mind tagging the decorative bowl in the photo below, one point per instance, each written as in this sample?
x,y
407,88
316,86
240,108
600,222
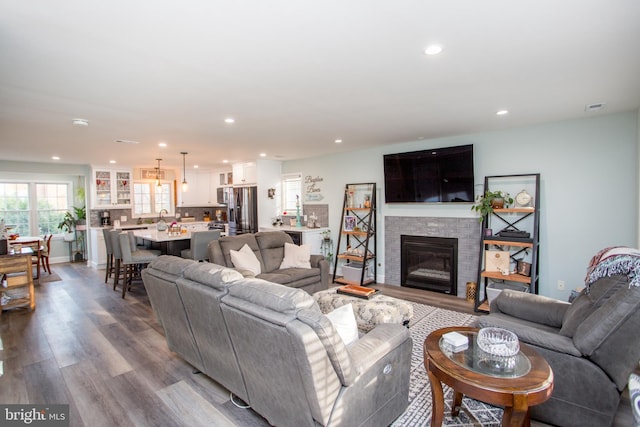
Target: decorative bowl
x,y
498,342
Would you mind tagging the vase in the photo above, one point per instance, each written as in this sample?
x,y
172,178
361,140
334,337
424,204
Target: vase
x,y
497,203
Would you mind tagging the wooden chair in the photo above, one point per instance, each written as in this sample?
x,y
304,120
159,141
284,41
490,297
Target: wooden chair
x,y
45,250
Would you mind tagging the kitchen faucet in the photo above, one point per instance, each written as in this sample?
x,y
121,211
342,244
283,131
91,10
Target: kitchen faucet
x,y
161,212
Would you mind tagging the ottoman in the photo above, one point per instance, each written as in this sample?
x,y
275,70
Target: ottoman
x,y
369,312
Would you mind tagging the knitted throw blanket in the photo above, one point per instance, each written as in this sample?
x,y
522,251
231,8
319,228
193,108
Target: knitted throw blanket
x,y
612,261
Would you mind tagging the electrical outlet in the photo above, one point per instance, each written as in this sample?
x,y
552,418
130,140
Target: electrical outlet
x,y
123,218
561,285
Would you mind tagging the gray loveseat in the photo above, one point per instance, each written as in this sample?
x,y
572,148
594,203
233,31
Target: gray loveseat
x,y
271,346
592,345
268,246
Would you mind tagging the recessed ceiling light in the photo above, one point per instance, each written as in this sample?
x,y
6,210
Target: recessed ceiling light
x,y
80,122
263,154
112,161
162,144
338,141
196,166
502,112
229,120
225,161
127,141
434,49
55,158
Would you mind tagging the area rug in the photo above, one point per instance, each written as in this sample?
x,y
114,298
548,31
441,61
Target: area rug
x,y
473,413
48,278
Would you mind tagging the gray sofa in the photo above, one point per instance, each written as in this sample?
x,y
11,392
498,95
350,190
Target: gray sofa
x,y
592,345
268,246
271,346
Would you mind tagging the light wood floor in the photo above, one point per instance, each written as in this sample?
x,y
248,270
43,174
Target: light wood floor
x,y
107,358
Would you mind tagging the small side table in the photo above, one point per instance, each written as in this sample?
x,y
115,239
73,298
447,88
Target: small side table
x,y
531,382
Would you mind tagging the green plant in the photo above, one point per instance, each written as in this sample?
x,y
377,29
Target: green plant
x,y
68,223
81,213
484,203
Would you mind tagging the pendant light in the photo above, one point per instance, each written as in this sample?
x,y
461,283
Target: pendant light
x,y
158,174
185,186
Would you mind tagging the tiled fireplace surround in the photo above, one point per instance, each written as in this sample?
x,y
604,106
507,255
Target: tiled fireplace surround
x,y
466,230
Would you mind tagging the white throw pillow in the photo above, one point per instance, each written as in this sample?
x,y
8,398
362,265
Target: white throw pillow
x,y
245,259
344,320
296,256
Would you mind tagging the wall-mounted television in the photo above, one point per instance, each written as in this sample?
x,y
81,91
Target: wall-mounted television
x,y
429,176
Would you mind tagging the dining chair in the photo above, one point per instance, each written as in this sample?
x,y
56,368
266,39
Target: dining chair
x,y
45,250
117,256
199,244
35,246
107,242
133,260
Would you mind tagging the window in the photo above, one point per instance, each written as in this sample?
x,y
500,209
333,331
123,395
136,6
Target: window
x,y
291,192
34,208
149,199
53,202
14,206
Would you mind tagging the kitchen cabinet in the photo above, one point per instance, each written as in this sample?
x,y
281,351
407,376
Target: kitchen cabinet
x,y
111,189
245,173
203,189
97,248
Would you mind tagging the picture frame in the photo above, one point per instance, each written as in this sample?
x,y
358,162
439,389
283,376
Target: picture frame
x,y
349,222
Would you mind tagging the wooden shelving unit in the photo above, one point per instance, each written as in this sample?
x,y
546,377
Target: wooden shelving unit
x,y
357,240
523,218
17,271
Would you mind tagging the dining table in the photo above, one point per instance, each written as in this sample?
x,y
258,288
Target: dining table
x,y
28,245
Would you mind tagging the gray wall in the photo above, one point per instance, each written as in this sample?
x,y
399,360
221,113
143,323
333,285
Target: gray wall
x,y
589,186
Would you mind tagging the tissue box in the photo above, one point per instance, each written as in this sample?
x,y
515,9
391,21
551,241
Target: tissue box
x,y
455,341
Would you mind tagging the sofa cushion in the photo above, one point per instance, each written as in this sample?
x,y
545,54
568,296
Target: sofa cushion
x,y
291,276
245,259
212,275
275,297
296,256
271,244
171,264
588,302
235,243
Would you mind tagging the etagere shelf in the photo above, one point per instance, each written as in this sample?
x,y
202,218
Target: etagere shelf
x,y
357,238
522,249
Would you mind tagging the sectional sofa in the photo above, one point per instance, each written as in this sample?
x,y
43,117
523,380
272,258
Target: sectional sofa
x,y
271,346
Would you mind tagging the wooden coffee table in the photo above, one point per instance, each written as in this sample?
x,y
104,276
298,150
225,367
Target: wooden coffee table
x,y
527,382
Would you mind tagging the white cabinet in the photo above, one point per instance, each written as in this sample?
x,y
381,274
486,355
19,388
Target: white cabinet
x,y
245,173
97,248
111,188
203,189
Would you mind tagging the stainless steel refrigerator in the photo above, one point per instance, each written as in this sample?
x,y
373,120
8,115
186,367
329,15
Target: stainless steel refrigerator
x,y
243,210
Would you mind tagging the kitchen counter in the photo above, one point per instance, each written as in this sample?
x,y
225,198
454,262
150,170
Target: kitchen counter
x,y
302,235
286,228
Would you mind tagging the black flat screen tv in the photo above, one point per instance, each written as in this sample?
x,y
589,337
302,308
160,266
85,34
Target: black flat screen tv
x,y
429,176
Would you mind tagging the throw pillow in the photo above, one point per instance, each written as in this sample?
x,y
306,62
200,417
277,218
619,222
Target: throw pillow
x,y
296,256
245,259
344,321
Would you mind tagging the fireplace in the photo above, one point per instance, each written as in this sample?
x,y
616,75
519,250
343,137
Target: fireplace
x,y
429,263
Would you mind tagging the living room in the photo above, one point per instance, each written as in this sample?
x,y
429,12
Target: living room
x,y
588,158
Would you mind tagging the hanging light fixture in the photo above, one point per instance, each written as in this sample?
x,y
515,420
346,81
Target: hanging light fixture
x,y
185,186
158,174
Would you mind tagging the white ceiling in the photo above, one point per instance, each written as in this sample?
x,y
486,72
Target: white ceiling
x,y
298,74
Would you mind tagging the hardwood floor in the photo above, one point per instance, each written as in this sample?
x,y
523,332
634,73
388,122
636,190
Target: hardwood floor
x,y
107,358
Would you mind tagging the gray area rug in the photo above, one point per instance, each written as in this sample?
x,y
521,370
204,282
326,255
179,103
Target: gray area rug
x,y
473,413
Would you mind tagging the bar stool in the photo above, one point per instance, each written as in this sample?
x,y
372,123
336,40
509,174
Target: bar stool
x,y
107,242
199,244
117,256
133,260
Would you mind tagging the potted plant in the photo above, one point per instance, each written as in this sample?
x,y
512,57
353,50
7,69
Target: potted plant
x,y
485,204
81,215
68,225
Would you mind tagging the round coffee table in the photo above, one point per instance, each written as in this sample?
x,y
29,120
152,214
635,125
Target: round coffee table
x,y
525,381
